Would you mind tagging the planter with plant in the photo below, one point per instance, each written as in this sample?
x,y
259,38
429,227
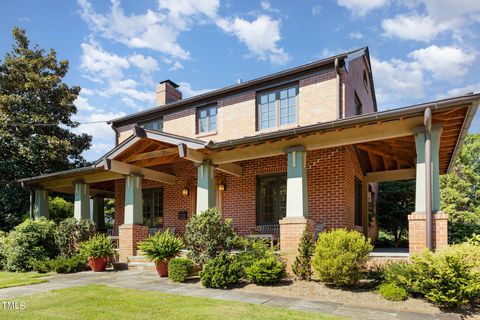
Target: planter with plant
x,y
98,249
160,248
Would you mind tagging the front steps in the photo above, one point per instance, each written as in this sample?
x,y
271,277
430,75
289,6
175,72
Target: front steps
x,y
140,263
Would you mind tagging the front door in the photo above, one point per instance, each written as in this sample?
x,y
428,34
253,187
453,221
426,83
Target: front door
x,y
153,207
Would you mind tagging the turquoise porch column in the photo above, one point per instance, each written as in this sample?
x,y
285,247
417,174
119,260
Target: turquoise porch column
x,y
133,200
205,187
40,208
297,197
81,209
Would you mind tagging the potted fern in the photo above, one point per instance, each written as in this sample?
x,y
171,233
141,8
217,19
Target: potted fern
x,y
160,248
98,249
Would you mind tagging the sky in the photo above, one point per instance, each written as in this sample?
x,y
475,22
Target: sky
x,y
421,50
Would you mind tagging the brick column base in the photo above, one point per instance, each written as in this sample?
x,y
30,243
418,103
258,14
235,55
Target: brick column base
x,y
417,233
129,236
291,230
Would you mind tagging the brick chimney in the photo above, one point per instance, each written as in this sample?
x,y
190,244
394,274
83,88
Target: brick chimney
x,y
167,92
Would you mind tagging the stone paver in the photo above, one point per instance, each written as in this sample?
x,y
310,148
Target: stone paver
x,y
148,280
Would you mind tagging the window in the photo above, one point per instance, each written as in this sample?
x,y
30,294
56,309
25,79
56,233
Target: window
x,y
153,207
207,119
358,202
277,108
365,79
156,124
357,106
271,198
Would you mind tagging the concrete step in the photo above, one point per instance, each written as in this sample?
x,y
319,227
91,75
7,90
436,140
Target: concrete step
x,y
140,262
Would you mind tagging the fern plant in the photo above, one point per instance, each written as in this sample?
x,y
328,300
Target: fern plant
x,y
161,246
98,246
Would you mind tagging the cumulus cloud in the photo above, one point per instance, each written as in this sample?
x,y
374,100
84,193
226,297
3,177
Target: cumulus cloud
x,y
261,36
82,104
361,7
99,64
414,27
188,91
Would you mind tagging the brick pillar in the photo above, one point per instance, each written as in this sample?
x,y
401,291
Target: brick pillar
x,y
417,240
291,230
129,237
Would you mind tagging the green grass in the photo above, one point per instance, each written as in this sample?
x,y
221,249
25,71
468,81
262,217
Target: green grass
x,y
102,302
12,279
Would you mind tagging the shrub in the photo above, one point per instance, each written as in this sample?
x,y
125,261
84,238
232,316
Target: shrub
x,y
474,240
220,272
449,277
59,209
70,232
266,271
179,269
98,246
397,273
161,246
459,232
207,234
60,265
393,292
252,250
302,266
29,240
3,241
340,255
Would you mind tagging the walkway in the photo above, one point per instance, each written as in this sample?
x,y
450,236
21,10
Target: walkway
x,y
148,280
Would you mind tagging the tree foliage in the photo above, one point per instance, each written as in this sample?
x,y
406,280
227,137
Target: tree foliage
x,y
32,91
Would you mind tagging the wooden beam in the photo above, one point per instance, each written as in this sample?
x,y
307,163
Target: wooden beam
x,y
125,168
391,175
88,178
187,153
230,168
152,154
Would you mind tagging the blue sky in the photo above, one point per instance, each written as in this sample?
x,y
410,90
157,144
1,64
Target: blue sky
x,y
421,50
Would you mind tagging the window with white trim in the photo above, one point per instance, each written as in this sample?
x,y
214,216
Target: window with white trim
x,y
277,108
207,119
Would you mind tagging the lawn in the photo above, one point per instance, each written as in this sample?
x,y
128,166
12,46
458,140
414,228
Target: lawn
x,y
103,302
12,279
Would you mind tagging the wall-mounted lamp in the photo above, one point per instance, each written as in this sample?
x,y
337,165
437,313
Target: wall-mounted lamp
x,y
185,191
222,186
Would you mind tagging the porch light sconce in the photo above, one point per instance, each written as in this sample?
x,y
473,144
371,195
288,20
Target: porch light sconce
x,y
222,187
185,191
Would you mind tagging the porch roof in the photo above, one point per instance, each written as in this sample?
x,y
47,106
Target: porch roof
x,y
383,141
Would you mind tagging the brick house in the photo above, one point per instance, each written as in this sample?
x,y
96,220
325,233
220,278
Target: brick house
x,y
304,146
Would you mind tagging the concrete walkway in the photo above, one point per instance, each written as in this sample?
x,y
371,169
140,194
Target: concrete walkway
x,y
148,280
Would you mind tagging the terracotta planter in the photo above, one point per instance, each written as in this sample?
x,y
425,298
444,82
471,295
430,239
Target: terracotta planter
x,y
98,264
162,268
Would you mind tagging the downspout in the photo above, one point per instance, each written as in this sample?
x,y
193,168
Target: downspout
x,y
337,72
428,176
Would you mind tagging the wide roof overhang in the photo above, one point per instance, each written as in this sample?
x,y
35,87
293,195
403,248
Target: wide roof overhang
x,y
383,142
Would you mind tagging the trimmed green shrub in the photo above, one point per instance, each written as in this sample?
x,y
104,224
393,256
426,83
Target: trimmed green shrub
x,y
302,266
70,232
252,250
32,239
98,246
397,273
449,277
221,272
474,240
161,246
207,234
73,264
340,255
393,292
179,269
266,271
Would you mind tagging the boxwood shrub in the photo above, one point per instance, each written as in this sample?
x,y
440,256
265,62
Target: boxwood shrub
x,y
179,269
266,271
393,292
221,272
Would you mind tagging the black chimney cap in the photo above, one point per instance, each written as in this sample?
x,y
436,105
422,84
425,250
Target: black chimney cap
x,y
170,82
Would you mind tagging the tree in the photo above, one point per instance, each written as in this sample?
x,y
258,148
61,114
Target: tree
x,y
396,200
35,110
60,209
302,266
460,189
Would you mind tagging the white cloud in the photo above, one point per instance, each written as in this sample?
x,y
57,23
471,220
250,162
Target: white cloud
x,y
413,27
475,88
261,36
145,64
355,35
268,7
445,63
187,90
99,64
183,13
317,10
95,124
361,7
82,104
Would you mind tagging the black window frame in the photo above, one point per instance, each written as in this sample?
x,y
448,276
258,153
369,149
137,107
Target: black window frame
x,y
358,205
146,124
209,119
146,195
278,205
277,119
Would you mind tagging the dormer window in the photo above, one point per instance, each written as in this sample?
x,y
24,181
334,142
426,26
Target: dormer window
x,y
277,108
156,124
207,119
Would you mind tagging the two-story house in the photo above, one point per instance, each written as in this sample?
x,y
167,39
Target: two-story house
x,y
304,146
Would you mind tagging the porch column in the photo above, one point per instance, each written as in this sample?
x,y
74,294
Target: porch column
x,y
205,187
40,208
132,231
81,209
99,212
418,219
293,225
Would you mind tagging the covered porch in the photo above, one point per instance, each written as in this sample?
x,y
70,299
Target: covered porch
x,y
321,175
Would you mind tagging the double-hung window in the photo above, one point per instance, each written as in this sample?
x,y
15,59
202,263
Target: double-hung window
x,y
207,119
277,108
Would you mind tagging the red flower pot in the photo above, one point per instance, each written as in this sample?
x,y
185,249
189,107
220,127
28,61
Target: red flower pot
x,y
98,264
162,268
